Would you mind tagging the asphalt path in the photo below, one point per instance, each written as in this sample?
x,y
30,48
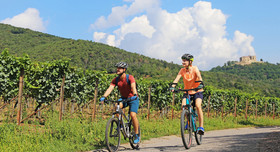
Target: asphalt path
x,y
228,140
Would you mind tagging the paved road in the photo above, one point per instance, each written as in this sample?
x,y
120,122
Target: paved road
x,y
229,140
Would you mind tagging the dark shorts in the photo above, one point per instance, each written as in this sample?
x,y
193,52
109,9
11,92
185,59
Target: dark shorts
x,y
133,105
193,97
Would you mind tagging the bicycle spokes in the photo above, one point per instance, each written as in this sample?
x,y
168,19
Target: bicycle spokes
x,y
112,134
114,130
186,129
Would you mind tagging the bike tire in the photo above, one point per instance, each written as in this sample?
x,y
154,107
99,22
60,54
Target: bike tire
x,y
113,135
186,134
132,133
198,137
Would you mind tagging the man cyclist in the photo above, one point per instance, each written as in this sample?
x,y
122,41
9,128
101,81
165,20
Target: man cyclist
x,y
127,91
191,74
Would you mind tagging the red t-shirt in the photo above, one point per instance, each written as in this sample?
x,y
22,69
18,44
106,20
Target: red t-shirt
x,y
124,87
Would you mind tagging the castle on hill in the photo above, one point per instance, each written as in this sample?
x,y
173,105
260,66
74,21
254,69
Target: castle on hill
x,y
245,60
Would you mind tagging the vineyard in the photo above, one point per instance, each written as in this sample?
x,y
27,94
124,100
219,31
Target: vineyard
x,y
27,88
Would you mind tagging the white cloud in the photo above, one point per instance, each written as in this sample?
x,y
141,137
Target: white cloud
x,y
99,36
243,42
120,13
28,19
145,28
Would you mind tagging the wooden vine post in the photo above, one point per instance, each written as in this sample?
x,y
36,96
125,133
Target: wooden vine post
x,y
173,100
149,101
256,109
222,108
19,115
235,105
61,98
265,109
246,110
95,99
273,111
208,106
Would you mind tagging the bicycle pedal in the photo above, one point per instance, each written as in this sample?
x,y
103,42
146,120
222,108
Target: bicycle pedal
x,y
200,132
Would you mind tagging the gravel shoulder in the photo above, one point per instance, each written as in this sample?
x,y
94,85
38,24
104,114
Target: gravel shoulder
x,y
242,139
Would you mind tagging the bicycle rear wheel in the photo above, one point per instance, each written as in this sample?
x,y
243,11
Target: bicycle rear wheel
x,y
112,135
198,137
186,129
132,136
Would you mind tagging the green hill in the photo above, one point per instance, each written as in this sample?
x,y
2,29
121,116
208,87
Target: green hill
x,y
255,78
83,54
254,71
263,78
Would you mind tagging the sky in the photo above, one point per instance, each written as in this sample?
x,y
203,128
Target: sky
x,y
214,32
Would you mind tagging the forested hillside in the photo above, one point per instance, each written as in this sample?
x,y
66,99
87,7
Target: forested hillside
x,y
263,78
83,54
254,71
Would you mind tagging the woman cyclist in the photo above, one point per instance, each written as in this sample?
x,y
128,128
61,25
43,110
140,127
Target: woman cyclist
x,y
191,74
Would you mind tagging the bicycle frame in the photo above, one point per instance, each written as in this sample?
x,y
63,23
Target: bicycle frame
x,y
124,121
188,120
191,111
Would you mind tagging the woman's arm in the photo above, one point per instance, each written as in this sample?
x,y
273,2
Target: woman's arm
x,y
198,75
176,79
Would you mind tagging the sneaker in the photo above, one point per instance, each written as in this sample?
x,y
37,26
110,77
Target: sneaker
x,y
200,130
137,139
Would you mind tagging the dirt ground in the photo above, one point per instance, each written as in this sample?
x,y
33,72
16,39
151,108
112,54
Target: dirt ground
x,y
229,140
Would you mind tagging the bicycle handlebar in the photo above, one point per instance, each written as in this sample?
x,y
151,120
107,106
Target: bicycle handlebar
x,y
123,100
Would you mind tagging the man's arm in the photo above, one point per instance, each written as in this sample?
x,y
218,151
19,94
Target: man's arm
x,y
133,86
109,90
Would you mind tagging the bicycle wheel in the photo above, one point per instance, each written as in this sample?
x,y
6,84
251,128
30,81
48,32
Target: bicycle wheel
x,y
198,137
112,135
132,136
186,129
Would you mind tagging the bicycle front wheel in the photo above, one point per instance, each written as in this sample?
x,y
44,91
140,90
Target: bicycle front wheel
x,y
132,136
186,129
112,135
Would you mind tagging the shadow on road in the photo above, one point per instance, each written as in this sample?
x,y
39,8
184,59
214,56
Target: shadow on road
x,y
235,141
248,142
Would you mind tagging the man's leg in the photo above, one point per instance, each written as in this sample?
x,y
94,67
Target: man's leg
x,y
133,108
135,122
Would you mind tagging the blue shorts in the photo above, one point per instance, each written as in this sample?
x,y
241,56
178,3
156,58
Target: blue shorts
x,y
193,97
133,105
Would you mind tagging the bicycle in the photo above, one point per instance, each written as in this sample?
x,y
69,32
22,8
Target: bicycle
x,y
188,123
120,123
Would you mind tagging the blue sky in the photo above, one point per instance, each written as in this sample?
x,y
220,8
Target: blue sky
x,y
213,31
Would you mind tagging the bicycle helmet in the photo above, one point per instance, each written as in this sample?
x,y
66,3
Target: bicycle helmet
x,y
121,65
187,57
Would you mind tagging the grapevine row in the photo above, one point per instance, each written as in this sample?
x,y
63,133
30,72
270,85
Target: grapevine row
x,y
42,81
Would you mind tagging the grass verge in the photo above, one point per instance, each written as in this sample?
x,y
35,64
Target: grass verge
x,y
79,134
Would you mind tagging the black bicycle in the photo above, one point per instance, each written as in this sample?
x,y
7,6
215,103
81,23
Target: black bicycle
x,y
117,124
189,124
